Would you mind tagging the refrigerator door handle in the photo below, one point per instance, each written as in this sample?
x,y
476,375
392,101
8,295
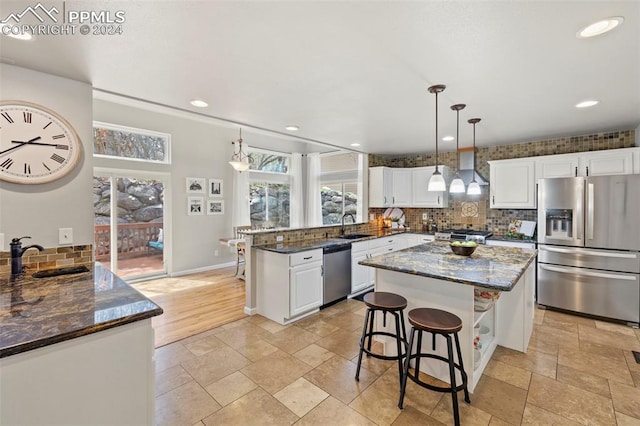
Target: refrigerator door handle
x,y
587,273
590,208
589,253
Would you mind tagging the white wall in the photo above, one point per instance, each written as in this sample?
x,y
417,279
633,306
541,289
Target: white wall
x,y
198,149
39,210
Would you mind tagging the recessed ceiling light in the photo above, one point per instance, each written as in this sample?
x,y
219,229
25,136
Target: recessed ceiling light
x,y
448,138
600,27
355,144
292,128
22,35
586,104
199,103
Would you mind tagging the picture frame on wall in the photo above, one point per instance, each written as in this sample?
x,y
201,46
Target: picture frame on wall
x,y
215,207
215,188
196,185
195,206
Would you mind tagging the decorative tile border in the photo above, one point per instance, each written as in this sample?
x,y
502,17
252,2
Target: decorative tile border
x,y
50,258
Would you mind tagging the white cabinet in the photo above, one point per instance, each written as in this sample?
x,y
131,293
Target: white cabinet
x,y
552,166
609,162
402,184
380,186
592,163
512,184
364,277
423,198
288,286
411,240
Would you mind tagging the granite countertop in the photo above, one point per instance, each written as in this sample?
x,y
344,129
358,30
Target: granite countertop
x,y
511,239
492,267
37,312
298,246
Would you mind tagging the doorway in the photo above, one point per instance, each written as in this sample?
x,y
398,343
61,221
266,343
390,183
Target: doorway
x,y
130,226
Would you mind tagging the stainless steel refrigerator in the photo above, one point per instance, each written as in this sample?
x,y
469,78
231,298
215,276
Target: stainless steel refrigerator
x,y
589,245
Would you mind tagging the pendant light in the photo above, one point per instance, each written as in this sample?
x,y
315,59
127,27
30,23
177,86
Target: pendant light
x,y
474,187
457,185
239,160
437,183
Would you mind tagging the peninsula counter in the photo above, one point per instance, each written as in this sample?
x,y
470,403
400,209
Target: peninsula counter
x,y
432,276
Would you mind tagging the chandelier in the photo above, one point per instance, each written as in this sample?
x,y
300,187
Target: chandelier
x,y
239,160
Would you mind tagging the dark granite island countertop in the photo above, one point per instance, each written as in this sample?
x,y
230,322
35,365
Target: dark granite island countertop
x,y
37,312
495,268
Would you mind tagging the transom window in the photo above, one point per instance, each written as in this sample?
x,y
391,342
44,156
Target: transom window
x,y
128,143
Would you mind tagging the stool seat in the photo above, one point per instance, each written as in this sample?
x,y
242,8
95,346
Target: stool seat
x,y
435,320
384,301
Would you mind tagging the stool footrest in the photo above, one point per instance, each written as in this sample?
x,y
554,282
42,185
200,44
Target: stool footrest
x,y
379,356
447,389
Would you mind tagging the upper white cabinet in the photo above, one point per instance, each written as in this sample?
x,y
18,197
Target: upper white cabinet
x,y
512,184
592,163
610,162
402,184
423,198
380,186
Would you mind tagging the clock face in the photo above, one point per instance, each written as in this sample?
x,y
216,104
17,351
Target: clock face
x,y
36,144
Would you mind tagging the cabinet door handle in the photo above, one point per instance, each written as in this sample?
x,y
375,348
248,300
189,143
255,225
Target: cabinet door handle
x,y
438,200
587,170
322,270
385,199
576,171
393,199
307,258
493,199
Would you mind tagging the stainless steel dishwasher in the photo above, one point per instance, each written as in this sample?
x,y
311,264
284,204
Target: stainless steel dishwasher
x,y
337,273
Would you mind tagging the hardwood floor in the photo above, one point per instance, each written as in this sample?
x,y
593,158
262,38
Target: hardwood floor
x,y
194,303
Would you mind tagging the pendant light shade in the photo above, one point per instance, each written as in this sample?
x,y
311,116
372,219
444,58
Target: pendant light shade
x,y
457,185
437,183
474,187
239,160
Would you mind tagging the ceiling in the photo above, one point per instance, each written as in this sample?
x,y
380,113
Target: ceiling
x,y
356,71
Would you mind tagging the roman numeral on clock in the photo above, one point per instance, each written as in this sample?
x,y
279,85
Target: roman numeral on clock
x,y
46,167
48,124
27,117
64,147
56,157
7,117
27,169
6,163
58,137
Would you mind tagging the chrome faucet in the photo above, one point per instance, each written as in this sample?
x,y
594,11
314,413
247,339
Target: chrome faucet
x,y
16,255
353,220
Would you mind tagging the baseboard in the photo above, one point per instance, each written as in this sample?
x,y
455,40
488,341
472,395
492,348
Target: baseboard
x,y
203,269
250,311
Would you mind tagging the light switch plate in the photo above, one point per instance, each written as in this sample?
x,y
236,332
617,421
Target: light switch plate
x,y
424,216
65,236
279,238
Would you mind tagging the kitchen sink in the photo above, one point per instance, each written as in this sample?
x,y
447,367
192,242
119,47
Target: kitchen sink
x,y
355,236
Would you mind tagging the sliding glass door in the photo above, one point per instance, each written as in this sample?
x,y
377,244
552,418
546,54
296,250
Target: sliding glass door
x,y
130,230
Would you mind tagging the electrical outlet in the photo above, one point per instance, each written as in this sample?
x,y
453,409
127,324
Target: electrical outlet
x,y
1,242
65,236
424,216
216,252
279,238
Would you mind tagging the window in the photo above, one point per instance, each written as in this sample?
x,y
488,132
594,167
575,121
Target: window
x,y
341,187
128,143
269,189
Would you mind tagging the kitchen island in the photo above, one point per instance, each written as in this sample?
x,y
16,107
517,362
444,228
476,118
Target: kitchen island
x,y
432,276
76,349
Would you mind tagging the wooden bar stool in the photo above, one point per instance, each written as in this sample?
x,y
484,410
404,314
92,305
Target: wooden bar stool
x,y
435,321
387,303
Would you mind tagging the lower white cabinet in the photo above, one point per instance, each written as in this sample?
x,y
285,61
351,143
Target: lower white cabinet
x,y
288,286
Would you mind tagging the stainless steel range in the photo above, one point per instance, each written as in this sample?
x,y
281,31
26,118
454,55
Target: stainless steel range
x,y
479,237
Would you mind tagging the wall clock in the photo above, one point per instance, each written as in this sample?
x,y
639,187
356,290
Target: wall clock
x,y
37,145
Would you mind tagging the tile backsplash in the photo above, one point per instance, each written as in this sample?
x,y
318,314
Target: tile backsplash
x,y
52,257
494,220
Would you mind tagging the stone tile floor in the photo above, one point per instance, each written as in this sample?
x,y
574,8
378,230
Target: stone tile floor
x,y
256,372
